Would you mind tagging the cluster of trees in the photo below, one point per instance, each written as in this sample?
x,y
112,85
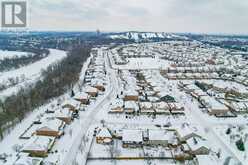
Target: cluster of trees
x,y
57,79
11,82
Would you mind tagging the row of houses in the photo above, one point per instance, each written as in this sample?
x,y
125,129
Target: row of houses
x,y
236,78
95,74
200,69
191,54
43,133
190,144
214,106
133,107
118,59
191,76
200,56
121,53
234,98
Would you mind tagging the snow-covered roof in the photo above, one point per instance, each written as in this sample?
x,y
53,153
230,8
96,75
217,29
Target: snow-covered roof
x,y
89,89
81,96
161,105
199,92
65,112
71,102
196,143
117,103
27,160
104,132
39,143
212,103
192,87
131,92
132,135
96,81
131,105
50,124
146,105
175,106
160,135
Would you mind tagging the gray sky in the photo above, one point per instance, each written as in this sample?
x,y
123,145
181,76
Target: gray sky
x,y
207,16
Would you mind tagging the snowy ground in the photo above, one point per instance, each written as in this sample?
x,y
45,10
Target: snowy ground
x,y
128,162
143,63
30,73
237,132
4,54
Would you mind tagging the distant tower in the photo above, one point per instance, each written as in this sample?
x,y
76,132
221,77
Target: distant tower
x,y
98,32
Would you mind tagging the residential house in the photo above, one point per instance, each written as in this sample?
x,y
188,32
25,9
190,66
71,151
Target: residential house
x,y
131,95
131,107
161,137
72,104
161,108
132,138
92,91
39,146
82,97
50,127
117,106
176,108
214,107
146,107
64,114
98,83
104,136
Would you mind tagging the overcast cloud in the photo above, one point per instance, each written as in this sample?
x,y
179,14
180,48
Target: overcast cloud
x,y
207,16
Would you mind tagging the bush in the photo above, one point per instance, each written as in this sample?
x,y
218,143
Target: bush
x,y
228,131
240,145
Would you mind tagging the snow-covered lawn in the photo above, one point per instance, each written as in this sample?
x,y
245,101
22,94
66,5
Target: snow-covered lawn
x,y
108,151
30,73
129,162
233,133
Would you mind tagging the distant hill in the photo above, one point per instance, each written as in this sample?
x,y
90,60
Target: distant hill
x,y
139,36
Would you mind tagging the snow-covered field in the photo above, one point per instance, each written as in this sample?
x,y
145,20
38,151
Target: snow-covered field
x,y
29,73
144,63
4,54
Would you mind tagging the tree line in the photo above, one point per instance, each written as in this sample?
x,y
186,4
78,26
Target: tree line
x,y
14,63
